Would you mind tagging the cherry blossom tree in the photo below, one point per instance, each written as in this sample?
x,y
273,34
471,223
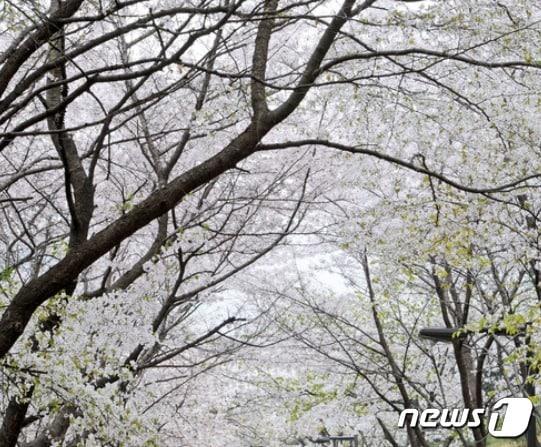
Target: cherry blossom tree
x,y
159,154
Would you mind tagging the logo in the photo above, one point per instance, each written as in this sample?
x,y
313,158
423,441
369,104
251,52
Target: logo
x,y
512,424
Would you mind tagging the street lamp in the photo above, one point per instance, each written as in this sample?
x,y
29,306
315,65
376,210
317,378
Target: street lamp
x,y
443,334
448,335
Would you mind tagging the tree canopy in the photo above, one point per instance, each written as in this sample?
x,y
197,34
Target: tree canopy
x,y
224,222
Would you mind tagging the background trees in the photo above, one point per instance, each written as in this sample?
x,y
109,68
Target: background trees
x,y
160,157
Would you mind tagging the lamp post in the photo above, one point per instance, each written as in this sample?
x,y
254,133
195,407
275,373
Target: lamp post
x,y
448,335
